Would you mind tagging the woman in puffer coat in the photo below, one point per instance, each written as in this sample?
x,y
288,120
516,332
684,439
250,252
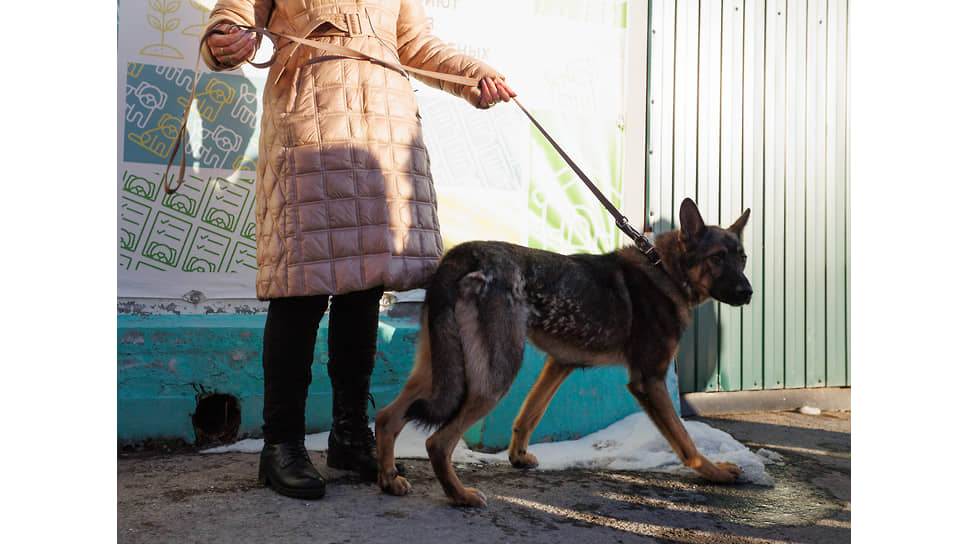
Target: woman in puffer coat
x,y
345,204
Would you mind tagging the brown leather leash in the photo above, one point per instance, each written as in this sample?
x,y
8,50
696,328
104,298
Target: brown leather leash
x,y
274,37
348,53
180,137
621,221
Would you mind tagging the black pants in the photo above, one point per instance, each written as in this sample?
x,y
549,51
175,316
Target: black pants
x,y
287,353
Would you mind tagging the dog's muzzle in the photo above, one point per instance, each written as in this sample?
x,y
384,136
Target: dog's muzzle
x,y
743,295
737,296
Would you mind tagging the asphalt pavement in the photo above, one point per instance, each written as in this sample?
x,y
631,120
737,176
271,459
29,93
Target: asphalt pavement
x,y
191,497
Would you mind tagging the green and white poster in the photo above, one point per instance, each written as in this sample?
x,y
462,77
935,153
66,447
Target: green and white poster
x,y
496,176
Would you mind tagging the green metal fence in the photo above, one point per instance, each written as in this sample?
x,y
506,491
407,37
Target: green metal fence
x,y
748,108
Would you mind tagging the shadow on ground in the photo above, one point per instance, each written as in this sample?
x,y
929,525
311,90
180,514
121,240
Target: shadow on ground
x,y
194,497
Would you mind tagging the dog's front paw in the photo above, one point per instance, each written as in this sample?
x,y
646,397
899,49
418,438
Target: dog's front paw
x,y
727,473
720,473
398,485
471,498
524,460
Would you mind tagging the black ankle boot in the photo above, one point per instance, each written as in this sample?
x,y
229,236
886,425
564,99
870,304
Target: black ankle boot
x,y
353,324
352,445
286,468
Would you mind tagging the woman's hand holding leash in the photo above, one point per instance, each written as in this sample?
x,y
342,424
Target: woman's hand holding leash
x,y
233,45
493,90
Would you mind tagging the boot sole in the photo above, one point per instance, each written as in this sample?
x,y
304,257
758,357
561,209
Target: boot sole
x,y
293,492
340,462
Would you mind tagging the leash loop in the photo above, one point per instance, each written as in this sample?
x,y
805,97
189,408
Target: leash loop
x,y
271,36
274,37
180,137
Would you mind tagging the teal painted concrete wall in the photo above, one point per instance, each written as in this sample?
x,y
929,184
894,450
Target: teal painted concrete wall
x,y
165,363
588,400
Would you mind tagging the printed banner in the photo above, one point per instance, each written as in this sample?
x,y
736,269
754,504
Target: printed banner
x,y
496,176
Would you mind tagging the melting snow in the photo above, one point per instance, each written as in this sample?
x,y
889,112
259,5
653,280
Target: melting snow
x,y
632,443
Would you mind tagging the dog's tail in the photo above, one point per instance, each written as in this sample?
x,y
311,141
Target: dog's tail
x,y
476,328
440,349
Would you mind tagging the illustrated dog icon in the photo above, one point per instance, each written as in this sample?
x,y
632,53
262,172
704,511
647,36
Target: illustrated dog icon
x,y
582,310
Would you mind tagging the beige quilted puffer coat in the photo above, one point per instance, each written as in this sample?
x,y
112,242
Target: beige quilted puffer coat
x,y
345,199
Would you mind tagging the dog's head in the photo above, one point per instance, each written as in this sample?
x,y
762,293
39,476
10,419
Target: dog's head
x,y
713,257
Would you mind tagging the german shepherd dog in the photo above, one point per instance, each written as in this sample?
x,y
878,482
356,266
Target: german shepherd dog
x,y
582,310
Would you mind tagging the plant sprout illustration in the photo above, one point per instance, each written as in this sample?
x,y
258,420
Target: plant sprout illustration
x,y
163,25
196,30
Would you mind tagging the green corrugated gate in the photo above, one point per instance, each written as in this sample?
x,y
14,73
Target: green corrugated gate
x,y
748,108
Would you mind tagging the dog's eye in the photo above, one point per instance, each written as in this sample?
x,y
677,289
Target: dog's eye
x,y
716,260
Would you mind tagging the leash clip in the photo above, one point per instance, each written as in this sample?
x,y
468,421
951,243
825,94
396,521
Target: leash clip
x,y
652,254
641,242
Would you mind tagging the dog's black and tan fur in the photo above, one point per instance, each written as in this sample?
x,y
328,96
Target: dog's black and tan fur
x,y
582,310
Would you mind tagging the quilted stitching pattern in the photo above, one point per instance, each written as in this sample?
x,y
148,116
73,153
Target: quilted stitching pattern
x,y
345,198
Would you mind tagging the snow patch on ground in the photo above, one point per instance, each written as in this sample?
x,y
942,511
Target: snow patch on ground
x,y
632,443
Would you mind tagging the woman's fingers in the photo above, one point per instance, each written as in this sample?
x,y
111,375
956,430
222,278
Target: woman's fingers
x,y
493,91
504,91
485,99
232,47
492,94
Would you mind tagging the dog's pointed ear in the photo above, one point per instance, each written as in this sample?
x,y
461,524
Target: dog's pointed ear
x,y
738,226
691,225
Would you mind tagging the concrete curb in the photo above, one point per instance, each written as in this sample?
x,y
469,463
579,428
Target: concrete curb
x,y
825,398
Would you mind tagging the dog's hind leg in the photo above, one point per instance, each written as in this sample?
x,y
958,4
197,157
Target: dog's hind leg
x,y
550,379
441,445
493,325
652,394
391,420
491,317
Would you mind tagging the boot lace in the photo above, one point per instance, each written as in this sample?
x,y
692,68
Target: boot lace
x,y
352,429
362,434
294,452
356,433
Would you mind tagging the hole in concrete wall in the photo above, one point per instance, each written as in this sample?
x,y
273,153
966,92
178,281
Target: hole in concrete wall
x,y
216,419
